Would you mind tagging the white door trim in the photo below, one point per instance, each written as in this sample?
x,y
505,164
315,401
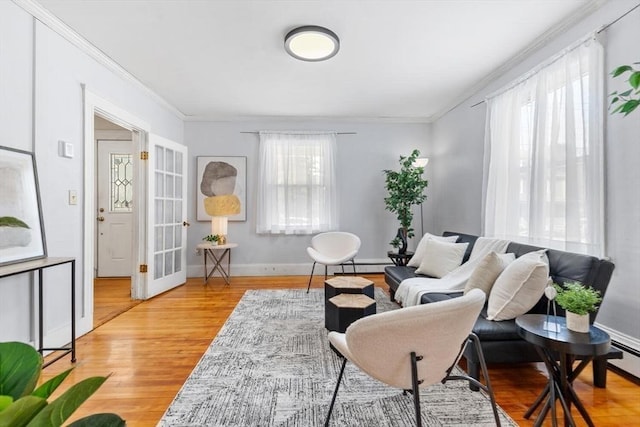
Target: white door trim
x,y
94,104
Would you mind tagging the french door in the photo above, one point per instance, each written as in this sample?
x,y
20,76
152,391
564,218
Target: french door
x,y
167,219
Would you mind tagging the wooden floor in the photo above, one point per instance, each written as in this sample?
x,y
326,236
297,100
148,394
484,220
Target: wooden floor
x,y
111,297
150,349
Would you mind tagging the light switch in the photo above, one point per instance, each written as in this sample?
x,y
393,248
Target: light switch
x,y
73,197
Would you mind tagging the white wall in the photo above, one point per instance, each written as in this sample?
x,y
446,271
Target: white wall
x,y
361,160
41,102
458,139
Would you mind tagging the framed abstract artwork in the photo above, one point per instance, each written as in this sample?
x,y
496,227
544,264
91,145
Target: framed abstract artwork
x,y
21,224
221,187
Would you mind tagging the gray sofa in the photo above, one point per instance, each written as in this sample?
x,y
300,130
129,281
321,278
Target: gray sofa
x,y
500,340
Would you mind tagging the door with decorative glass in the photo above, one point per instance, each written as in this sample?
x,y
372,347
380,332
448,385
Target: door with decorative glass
x,y
115,206
167,220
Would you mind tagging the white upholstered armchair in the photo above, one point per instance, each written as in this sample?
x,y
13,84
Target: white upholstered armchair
x,y
333,248
414,347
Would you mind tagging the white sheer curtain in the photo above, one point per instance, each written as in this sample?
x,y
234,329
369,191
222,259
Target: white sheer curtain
x,y
544,140
297,184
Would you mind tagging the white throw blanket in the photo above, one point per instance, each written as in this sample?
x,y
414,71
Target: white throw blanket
x,y
411,290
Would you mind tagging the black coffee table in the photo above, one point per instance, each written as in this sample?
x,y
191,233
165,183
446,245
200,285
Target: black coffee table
x,y
562,346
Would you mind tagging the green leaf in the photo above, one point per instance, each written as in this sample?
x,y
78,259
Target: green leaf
x,y
20,366
634,80
99,420
62,408
9,221
20,412
621,69
626,92
5,401
46,389
629,106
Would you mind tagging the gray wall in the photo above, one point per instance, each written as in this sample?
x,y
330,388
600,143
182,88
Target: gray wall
x,y
458,139
361,159
41,102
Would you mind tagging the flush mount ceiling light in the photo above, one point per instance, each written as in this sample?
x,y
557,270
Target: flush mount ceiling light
x,y
311,43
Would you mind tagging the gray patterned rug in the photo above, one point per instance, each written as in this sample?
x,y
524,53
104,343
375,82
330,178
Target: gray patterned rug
x,y
270,365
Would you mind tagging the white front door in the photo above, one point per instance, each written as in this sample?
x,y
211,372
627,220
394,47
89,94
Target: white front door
x,y
114,210
167,220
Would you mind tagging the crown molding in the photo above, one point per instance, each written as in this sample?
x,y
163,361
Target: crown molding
x,y
534,46
36,10
306,119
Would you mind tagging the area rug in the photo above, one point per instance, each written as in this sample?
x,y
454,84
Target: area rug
x,y
270,365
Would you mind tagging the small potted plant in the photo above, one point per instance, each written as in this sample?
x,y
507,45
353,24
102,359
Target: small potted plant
x,y
212,238
578,301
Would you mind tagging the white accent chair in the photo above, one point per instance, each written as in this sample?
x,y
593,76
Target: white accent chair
x,y
333,248
414,347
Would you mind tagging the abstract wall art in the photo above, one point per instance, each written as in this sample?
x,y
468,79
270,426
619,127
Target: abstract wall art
x,y
21,224
221,188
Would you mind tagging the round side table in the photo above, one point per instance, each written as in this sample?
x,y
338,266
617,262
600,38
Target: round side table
x,y
558,346
400,259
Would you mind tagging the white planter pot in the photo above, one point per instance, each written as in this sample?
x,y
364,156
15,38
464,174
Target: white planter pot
x,y
577,322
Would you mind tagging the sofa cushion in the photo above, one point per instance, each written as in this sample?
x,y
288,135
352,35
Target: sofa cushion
x,y
441,258
488,330
417,257
487,271
436,297
519,287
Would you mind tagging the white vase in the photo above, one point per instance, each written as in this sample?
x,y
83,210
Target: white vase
x,y
577,322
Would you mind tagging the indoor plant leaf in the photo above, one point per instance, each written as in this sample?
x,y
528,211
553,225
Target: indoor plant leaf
x,y
62,408
20,412
99,420
621,69
20,366
634,80
5,401
46,389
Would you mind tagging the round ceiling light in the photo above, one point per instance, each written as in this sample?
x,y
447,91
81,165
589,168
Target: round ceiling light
x,y
311,43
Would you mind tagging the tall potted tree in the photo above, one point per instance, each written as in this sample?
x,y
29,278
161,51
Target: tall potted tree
x,y
405,188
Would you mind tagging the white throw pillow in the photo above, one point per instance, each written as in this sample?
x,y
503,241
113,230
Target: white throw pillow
x,y
519,287
441,258
417,257
487,271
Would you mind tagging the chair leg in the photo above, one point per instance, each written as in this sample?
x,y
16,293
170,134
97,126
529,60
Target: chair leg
x,y
311,276
326,269
414,387
485,373
354,267
335,393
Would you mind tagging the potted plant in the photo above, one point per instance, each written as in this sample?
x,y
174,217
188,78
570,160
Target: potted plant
x,y
405,188
22,404
627,101
212,238
578,301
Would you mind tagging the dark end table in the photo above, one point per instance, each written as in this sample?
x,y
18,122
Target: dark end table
x,y
558,348
400,259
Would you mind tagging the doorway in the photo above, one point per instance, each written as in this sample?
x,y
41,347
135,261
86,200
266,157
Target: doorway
x,y
114,221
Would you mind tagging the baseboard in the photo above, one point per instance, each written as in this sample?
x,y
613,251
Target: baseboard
x,y
362,266
630,346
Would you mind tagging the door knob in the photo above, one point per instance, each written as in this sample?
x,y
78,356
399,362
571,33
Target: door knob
x,y
185,223
100,218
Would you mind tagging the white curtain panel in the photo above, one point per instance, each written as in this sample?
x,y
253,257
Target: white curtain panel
x,y
297,183
544,140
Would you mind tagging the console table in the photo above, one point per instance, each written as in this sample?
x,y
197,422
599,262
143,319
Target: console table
x,y
38,265
568,345
209,251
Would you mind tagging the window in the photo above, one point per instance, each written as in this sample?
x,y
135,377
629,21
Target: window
x,y
544,142
297,186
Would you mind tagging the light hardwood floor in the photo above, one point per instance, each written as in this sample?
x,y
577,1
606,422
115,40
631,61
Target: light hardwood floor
x,y
150,349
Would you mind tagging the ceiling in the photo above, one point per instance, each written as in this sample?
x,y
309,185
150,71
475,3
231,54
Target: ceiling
x,y
399,60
